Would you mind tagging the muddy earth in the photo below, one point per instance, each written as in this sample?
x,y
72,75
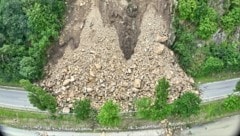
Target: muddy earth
x,y
114,50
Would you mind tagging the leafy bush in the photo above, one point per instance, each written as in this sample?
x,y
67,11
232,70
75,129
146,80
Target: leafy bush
x,y
232,103
237,88
186,8
186,105
159,114
82,109
28,68
144,108
109,115
228,53
161,93
212,65
40,98
207,25
231,19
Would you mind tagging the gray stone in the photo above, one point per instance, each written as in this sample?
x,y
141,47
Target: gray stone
x,y
66,82
137,83
66,110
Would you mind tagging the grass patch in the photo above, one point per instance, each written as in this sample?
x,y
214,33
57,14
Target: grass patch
x,y
43,121
217,77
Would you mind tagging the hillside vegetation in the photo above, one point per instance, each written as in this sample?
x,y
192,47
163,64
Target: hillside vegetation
x,y
208,36
27,28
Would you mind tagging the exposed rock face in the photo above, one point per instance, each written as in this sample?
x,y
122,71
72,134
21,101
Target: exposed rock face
x,y
98,69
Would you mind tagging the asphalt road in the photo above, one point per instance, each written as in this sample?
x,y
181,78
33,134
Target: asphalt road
x,y
13,98
224,127
18,132
217,90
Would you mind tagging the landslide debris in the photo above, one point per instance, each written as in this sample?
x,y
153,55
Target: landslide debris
x,y
114,50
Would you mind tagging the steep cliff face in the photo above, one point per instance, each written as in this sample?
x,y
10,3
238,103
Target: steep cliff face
x,y
114,50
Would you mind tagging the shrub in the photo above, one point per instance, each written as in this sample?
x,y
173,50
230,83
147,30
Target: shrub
x,y
231,19
161,93
159,114
212,64
186,105
232,103
82,109
109,115
28,68
40,98
144,107
237,88
207,25
186,8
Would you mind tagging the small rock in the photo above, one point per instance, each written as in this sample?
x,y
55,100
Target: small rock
x,y
159,49
66,110
98,66
66,82
89,90
161,39
137,83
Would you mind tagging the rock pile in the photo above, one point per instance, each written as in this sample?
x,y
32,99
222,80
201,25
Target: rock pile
x,y
97,69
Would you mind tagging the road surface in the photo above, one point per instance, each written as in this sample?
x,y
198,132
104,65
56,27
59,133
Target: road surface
x,y
14,98
18,132
217,90
224,127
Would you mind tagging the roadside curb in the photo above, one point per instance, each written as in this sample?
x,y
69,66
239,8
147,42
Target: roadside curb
x,y
10,87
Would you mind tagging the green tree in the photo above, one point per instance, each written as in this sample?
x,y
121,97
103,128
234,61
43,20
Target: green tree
x,y
109,115
39,97
82,109
13,21
161,93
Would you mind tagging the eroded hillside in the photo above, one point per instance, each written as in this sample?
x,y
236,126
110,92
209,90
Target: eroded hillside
x,y
114,50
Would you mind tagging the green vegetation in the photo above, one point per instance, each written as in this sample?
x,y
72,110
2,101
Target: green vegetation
x,y
220,107
185,106
39,97
198,53
27,28
237,88
188,104
109,115
82,109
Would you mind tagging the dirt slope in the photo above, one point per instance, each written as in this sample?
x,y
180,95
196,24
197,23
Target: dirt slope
x,y
114,49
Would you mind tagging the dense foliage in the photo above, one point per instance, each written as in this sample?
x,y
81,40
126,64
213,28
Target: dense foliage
x,y
188,104
82,109
185,106
40,98
109,115
27,28
199,52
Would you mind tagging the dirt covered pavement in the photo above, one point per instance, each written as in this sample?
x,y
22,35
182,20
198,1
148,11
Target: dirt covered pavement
x,y
114,49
